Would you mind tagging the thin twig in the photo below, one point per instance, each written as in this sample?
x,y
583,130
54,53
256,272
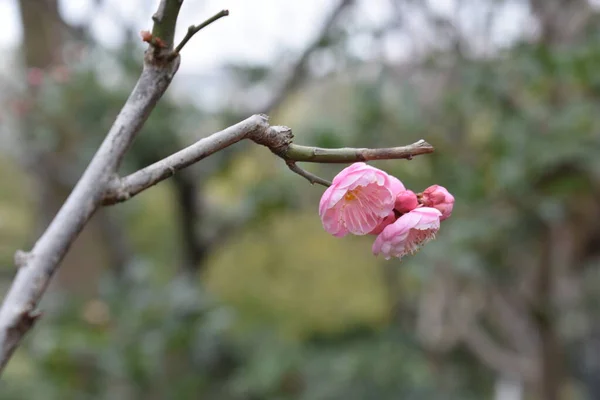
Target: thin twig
x,y
193,29
312,178
348,155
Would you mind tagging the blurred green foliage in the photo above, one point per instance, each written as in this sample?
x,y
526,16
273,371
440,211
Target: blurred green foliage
x,y
284,311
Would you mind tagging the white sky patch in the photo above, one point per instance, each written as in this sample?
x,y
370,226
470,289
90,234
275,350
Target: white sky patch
x,y
257,31
512,20
76,12
10,23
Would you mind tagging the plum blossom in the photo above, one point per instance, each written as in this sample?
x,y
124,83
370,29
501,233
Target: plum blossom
x,y
411,231
406,201
390,219
358,200
438,197
366,200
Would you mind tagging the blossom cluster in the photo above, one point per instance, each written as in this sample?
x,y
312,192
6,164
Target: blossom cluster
x,y
365,200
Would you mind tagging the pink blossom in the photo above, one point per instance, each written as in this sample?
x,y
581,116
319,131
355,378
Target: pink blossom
x,y
395,186
439,198
390,219
411,231
406,201
359,198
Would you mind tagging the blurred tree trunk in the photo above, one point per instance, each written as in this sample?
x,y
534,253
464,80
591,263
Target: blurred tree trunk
x,y
194,248
42,33
560,22
43,41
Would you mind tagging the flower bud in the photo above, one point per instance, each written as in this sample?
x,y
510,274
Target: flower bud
x,y
439,198
406,201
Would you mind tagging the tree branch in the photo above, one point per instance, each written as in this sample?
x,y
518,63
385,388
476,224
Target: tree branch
x,y
277,138
18,313
121,189
165,20
99,185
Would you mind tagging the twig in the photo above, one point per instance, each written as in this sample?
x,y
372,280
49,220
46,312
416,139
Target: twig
x,y
348,155
193,29
312,178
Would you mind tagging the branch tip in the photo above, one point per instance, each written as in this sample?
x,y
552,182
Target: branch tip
x,y
312,178
193,29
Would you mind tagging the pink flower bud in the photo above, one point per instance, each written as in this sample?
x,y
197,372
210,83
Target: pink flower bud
x,y
358,200
439,198
408,234
406,201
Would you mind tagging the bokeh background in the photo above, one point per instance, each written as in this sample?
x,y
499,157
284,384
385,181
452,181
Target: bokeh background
x,y
220,282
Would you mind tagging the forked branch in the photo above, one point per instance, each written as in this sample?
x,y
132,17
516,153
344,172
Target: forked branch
x,y
256,128
100,184
18,312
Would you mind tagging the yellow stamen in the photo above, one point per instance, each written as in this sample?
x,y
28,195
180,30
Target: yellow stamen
x,y
350,196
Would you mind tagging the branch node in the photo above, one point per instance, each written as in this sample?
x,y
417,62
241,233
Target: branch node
x,y
21,258
154,41
159,14
116,191
34,315
25,320
277,139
